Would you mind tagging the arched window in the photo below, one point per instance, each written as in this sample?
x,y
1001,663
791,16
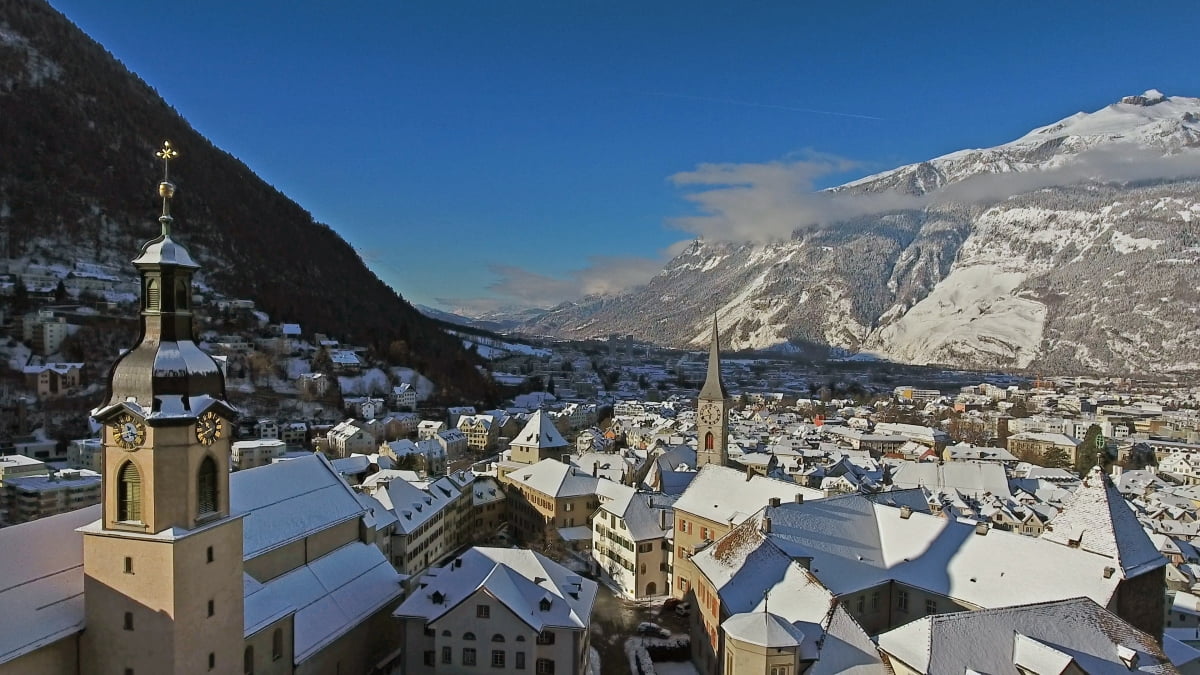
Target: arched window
x,y
248,661
497,638
468,636
447,634
708,441
129,493
207,485
277,644
520,638
181,295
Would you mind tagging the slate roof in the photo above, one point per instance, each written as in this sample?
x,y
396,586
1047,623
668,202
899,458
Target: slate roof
x,y
1099,519
1043,637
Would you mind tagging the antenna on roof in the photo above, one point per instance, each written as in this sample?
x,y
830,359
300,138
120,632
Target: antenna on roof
x,y
766,597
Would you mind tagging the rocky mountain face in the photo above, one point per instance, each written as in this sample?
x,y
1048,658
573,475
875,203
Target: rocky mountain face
x,y
1072,248
78,183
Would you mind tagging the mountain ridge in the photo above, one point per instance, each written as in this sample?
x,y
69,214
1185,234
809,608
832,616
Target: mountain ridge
x,y
1030,254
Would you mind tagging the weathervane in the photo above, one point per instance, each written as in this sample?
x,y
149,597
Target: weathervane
x,y
166,189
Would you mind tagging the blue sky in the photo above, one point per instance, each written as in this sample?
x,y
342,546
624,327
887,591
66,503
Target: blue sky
x,y
482,153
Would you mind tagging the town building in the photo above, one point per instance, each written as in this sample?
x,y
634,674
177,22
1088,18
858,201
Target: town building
x,y
250,454
631,544
54,379
538,440
29,497
349,438
499,610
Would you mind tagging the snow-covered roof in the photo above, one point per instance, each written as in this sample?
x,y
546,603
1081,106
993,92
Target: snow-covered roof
x,y
287,501
1041,638
540,432
552,477
414,503
968,477
725,495
329,595
744,564
41,582
518,578
854,543
163,250
1098,519
763,629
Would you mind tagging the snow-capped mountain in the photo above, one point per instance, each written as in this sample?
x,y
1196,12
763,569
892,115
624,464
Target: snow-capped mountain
x,y
1072,247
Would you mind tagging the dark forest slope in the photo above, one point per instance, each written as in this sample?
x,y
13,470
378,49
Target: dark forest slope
x,y
77,177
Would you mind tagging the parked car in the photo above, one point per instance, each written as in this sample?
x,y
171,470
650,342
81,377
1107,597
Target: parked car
x,y
651,629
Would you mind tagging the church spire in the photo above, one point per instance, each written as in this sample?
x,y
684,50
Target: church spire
x,y
714,387
166,361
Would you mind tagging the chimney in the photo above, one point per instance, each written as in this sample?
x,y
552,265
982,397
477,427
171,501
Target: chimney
x,y
981,528
905,512
749,472
1116,472
595,469
766,525
799,498
662,519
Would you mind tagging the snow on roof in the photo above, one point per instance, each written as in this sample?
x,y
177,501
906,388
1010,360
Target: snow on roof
x,y
540,432
163,250
41,582
414,503
724,495
290,329
287,501
1098,519
968,477
763,629
1042,637
854,543
744,564
331,595
486,490
552,477
518,578
353,464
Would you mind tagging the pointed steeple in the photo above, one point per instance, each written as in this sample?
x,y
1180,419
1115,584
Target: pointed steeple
x,y
714,387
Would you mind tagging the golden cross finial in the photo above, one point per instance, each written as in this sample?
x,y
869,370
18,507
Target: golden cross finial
x,y
166,189
166,155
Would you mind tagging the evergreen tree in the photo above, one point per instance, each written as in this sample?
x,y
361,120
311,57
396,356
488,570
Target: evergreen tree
x,y
1092,451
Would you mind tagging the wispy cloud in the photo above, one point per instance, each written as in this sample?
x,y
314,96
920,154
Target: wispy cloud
x,y
602,275
771,200
760,104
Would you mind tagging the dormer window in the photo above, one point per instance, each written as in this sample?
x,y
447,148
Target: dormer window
x,y
544,604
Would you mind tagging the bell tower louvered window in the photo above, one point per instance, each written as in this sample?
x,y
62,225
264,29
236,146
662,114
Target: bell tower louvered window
x,y
129,493
207,485
153,295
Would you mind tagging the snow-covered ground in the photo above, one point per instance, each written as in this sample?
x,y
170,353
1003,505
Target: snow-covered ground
x,y
972,309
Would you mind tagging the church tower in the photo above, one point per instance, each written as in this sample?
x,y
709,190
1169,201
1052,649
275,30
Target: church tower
x,y
163,565
712,411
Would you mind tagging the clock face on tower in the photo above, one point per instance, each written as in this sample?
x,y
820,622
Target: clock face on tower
x,y
208,428
129,433
710,415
